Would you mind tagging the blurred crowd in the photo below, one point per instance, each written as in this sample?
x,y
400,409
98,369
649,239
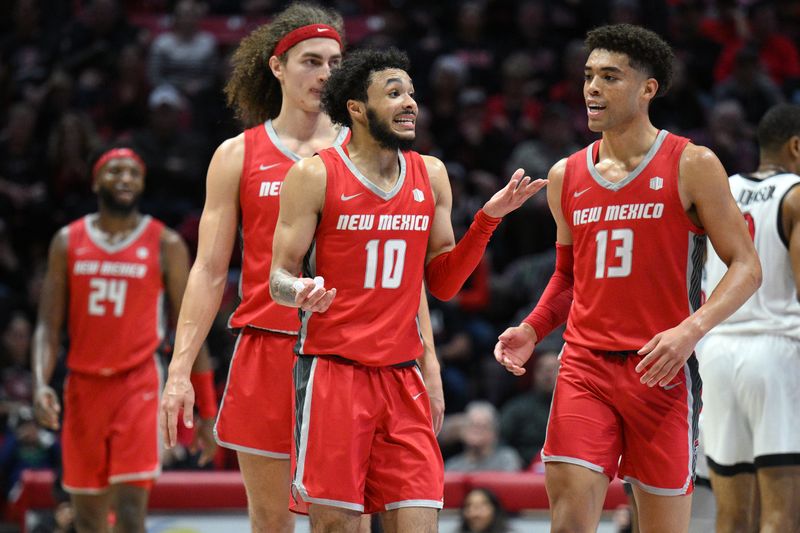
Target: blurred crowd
x,y
499,85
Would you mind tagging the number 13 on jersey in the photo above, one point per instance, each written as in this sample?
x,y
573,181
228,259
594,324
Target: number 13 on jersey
x,y
622,241
393,257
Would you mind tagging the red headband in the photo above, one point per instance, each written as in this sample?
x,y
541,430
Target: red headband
x,y
306,32
115,153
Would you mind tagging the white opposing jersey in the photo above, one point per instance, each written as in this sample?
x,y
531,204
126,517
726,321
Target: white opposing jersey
x,y
774,307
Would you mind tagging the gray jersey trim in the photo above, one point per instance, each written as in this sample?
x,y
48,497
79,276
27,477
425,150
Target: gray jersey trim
x,y
696,258
97,237
573,461
252,451
273,136
435,504
611,186
227,382
367,183
655,490
304,370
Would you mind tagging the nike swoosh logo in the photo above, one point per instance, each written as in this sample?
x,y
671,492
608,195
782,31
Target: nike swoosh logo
x,y
346,198
267,167
670,387
417,395
322,29
578,193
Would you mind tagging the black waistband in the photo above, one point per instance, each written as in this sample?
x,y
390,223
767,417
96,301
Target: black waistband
x,y
620,353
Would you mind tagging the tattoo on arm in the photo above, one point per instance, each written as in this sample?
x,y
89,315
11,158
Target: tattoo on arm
x,y
281,289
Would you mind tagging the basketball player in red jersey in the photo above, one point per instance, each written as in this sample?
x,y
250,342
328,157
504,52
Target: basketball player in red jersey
x,y
632,211
367,220
107,275
279,72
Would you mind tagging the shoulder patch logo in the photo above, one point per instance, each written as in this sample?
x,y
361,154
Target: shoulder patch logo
x,y
142,252
419,196
656,183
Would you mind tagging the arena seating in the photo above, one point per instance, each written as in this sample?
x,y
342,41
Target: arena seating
x,y
211,491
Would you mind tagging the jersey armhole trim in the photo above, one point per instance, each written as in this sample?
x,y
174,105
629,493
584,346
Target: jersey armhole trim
x,y
781,234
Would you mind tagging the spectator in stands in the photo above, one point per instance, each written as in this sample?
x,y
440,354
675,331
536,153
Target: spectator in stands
x,y
176,157
730,136
775,51
692,47
682,110
22,189
28,50
89,48
25,445
480,436
750,86
16,390
72,140
184,57
482,512
555,140
523,420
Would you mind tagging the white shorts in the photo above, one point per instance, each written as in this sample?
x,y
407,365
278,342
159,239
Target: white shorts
x,y
751,397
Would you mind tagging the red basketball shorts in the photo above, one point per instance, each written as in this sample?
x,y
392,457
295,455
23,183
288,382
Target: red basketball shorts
x,y
364,438
255,415
604,419
110,430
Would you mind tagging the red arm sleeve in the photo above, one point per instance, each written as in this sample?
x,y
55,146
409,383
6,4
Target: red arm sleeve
x,y
205,396
446,273
553,307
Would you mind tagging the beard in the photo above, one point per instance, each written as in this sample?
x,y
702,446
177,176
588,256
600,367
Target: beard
x,y
115,207
386,137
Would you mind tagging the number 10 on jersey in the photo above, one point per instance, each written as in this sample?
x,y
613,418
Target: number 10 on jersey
x,y
393,257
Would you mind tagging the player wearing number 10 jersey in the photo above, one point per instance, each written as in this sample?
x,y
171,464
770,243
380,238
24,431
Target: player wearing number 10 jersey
x,y
108,274
372,219
631,211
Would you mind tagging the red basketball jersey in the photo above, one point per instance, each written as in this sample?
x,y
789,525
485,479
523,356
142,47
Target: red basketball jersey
x,y
638,257
370,245
116,318
266,162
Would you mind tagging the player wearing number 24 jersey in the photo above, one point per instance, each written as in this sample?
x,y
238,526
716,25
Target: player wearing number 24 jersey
x,y
107,278
631,211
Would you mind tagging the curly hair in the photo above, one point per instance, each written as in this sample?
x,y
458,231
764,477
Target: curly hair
x,y
777,126
646,51
351,80
252,90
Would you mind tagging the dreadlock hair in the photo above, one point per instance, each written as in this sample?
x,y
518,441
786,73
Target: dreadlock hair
x,y
252,90
646,51
351,80
777,126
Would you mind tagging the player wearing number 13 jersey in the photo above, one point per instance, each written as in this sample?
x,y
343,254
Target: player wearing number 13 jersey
x,y
630,211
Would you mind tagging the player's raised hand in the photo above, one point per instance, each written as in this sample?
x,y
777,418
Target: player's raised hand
x,y
666,353
514,347
513,195
311,295
46,407
178,394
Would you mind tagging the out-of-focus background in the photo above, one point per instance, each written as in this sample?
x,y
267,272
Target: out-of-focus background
x,y
499,85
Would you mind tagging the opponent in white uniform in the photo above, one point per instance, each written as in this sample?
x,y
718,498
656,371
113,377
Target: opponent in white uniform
x,y
750,363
